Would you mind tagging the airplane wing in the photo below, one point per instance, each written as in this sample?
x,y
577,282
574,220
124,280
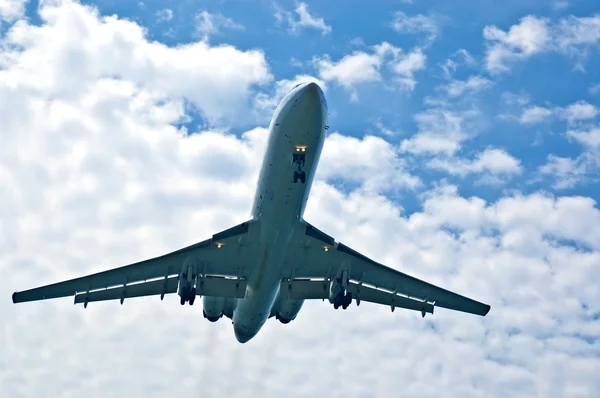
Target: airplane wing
x,y
217,259
318,258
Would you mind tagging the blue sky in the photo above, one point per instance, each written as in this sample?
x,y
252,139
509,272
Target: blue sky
x,y
463,149
547,78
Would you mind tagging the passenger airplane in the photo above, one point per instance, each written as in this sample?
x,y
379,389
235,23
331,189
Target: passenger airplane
x,y
269,265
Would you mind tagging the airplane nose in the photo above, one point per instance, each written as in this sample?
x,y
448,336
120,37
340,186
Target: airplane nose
x,y
312,92
242,333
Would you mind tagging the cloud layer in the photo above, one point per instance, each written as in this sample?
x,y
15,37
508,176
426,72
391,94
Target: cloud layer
x,y
96,172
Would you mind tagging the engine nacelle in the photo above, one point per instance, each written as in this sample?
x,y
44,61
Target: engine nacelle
x,y
286,310
213,308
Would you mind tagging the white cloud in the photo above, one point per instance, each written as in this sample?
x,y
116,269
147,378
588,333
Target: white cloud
x,y
566,172
595,89
164,15
590,139
417,24
570,172
532,35
208,24
440,132
492,161
535,114
93,175
304,19
580,110
76,45
356,68
405,66
572,113
473,84
11,10
361,67
375,164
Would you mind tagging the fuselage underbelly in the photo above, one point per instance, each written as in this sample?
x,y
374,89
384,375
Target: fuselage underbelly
x,y
296,137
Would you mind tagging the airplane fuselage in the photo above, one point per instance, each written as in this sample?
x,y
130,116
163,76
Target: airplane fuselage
x,y
296,138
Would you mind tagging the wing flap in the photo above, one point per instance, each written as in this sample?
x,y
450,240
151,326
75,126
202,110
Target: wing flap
x,y
221,287
161,286
305,289
365,293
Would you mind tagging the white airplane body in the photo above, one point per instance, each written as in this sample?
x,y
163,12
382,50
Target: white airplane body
x,y
270,264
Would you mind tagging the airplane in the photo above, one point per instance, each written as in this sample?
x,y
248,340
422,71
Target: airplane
x,y
269,265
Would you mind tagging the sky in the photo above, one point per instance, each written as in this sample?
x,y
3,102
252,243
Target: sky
x,y
463,149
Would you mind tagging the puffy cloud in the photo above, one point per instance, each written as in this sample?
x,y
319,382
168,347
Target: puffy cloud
x,y
580,110
492,161
77,45
94,174
440,131
356,68
304,19
361,67
208,24
530,36
375,164
533,35
590,139
535,114
11,10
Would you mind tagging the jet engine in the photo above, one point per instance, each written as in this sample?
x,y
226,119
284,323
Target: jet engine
x,y
213,308
286,310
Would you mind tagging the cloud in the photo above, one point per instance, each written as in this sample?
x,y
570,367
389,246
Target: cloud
x,y
589,139
580,110
492,161
535,114
572,113
11,10
440,132
376,165
460,57
565,172
164,15
76,45
304,19
95,173
568,172
361,67
406,65
208,24
417,24
473,84
532,35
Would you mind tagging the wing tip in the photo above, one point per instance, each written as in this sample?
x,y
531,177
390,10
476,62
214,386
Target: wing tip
x,y
14,297
487,309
